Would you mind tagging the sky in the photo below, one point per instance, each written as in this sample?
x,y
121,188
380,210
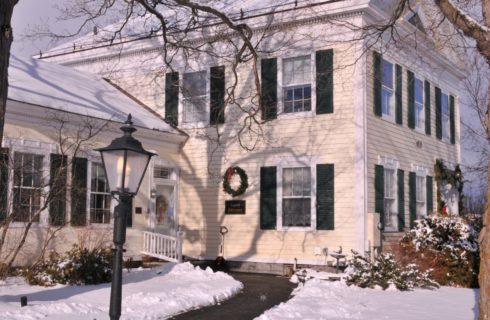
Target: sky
x,y
29,15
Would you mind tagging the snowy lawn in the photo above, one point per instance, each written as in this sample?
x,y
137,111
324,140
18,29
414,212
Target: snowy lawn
x,y
320,299
147,294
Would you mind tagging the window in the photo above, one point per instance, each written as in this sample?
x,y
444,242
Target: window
x,y
27,186
387,97
445,119
296,84
161,172
420,196
419,104
390,200
296,197
194,92
100,197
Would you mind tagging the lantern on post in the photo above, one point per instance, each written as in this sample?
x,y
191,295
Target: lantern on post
x,y
125,162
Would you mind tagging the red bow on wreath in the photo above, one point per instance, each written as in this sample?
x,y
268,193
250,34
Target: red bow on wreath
x,y
229,174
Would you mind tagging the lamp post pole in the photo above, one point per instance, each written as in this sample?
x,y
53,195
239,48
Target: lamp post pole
x,y
125,162
121,211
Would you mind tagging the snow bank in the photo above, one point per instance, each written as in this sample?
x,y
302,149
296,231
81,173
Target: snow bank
x,y
320,299
147,294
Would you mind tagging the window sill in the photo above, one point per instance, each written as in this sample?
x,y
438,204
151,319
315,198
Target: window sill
x,y
193,125
295,115
388,118
300,229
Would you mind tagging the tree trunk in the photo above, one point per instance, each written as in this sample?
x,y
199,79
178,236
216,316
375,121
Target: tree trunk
x,y
484,277
6,37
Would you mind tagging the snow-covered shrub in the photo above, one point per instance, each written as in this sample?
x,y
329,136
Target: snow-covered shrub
x,y
448,245
385,272
77,266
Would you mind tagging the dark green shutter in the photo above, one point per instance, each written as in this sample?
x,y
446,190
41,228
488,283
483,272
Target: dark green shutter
x,y
430,203
268,99
451,120
324,81
79,192
4,181
412,198
411,99
377,83
379,192
268,207
398,95
57,193
427,107
217,95
438,114
401,199
172,98
325,218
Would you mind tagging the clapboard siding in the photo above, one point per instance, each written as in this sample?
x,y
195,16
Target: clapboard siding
x,y
399,142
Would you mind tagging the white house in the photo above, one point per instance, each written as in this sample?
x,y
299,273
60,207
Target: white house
x,y
51,111
345,152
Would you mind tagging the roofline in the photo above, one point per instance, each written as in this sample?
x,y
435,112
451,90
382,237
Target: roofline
x,y
108,43
144,106
179,137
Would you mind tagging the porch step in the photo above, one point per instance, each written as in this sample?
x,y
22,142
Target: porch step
x,y
391,240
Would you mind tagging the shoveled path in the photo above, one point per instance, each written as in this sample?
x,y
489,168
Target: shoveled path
x,y
260,293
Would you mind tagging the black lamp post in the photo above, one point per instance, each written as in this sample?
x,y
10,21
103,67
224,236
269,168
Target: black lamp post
x,y
125,162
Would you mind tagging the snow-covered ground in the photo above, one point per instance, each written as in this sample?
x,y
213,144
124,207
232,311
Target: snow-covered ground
x,y
320,299
147,294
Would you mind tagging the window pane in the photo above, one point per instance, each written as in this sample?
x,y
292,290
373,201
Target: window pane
x,y
195,109
296,212
194,84
296,71
100,197
386,98
387,74
419,90
287,182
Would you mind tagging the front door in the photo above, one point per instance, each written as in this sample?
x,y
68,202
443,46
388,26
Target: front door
x,y
165,220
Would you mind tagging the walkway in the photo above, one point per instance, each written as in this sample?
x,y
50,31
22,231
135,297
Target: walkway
x,y
260,293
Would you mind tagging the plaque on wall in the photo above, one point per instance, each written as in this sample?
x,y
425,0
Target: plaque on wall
x,y
235,207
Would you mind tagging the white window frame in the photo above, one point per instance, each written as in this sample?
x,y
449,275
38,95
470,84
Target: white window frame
x,y
391,115
419,122
33,147
445,117
299,162
197,124
390,164
421,172
281,86
90,192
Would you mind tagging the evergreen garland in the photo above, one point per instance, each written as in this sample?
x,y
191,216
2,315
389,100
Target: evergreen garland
x,y
454,178
230,172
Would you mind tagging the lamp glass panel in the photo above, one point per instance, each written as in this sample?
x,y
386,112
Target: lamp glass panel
x,y
135,169
113,164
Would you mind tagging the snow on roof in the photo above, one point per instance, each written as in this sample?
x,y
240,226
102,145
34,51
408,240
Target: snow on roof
x,y
63,88
142,24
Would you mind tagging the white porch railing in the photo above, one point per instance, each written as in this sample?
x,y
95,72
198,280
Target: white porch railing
x,y
162,246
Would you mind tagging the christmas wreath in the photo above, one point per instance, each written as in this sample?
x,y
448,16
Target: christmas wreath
x,y
230,172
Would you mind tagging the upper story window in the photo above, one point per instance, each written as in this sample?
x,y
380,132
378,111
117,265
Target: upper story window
x,y
419,104
100,196
297,84
296,197
387,89
194,92
27,185
445,117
